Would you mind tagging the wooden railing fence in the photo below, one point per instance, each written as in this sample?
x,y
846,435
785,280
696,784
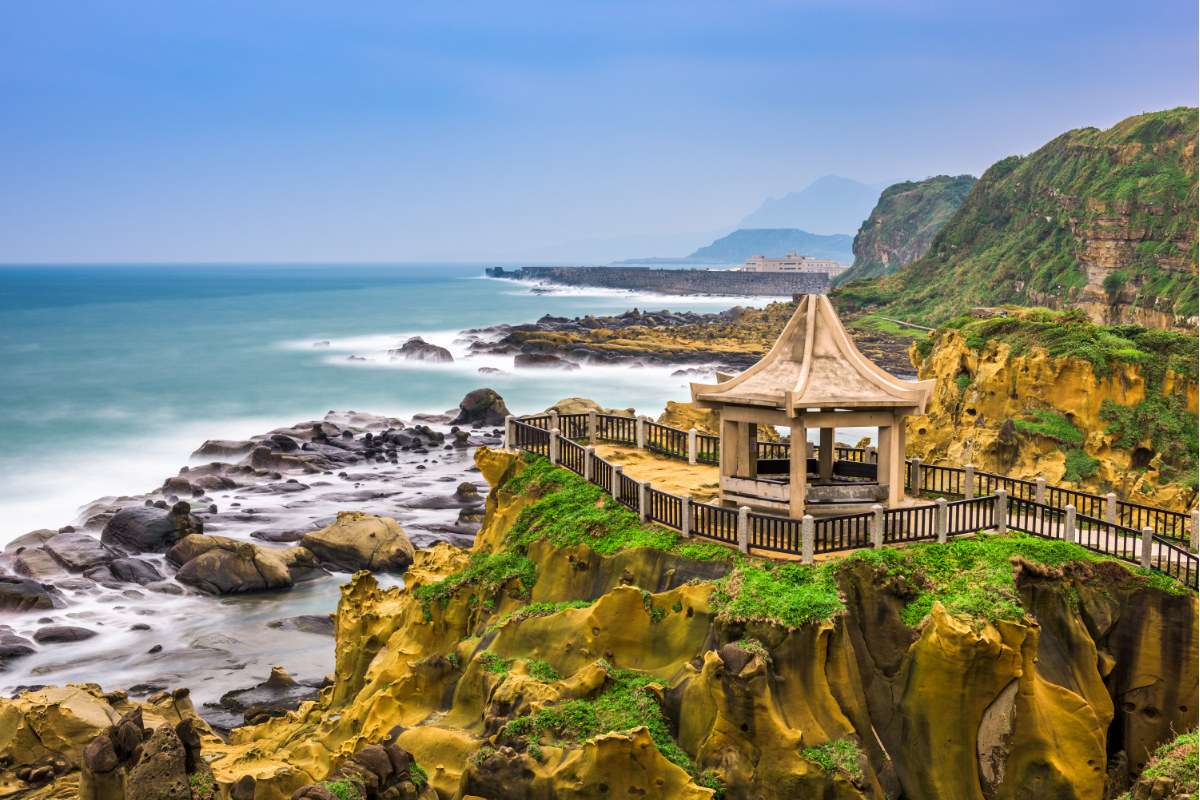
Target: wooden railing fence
x,y
967,500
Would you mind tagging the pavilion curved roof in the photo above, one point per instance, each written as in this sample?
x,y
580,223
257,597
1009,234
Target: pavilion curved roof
x,y
814,364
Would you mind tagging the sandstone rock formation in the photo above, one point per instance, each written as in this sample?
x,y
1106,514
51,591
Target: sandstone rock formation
x,y
359,541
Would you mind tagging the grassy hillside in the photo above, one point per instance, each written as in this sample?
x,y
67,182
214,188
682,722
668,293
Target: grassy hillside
x,y
1094,219
903,223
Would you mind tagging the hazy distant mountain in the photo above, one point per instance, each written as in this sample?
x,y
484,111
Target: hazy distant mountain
x,y
775,243
828,205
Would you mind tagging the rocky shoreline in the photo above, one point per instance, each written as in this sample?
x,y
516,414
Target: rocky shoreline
x,y
260,528
731,340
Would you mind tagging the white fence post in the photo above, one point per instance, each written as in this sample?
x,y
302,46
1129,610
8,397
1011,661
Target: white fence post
x,y
617,469
1194,532
692,435
1110,508
508,432
589,469
917,479
554,446
744,529
810,450
643,499
871,454
1147,546
592,426
969,482
553,419
1001,511
877,523
1039,491
943,520
1069,524
808,538
640,426
685,516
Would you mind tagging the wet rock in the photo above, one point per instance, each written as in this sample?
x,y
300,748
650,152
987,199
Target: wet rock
x,y
32,539
220,565
417,349
301,565
36,562
134,570
141,529
273,697
321,624
484,406
78,551
57,634
13,646
542,361
277,535
224,449
23,594
359,541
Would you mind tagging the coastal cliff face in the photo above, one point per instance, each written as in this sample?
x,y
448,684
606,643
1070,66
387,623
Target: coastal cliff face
x,y
903,223
1103,221
1040,395
577,653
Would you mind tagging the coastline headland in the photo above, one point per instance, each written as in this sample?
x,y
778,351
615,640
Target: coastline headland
x,y
674,281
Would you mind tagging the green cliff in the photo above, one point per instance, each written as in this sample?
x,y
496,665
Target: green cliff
x,y
1105,221
903,223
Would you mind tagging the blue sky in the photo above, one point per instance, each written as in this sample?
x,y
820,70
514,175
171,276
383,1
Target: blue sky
x,y
382,131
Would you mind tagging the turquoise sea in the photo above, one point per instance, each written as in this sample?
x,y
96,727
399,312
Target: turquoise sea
x,y
114,374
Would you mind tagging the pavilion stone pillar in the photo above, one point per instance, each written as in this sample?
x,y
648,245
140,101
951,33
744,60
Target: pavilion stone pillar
x,y
729,430
891,460
797,471
825,455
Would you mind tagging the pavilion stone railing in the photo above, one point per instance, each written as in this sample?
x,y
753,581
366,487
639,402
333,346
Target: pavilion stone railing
x,y
1030,506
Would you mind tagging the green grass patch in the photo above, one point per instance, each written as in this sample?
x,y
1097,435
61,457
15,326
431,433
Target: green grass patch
x,y
757,649
493,663
542,670
1080,465
1177,761
787,594
570,511
419,775
484,574
1051,425
838,756
624,704
891,328
349,788
974,576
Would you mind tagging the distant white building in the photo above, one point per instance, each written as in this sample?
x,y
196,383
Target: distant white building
x,y
794,263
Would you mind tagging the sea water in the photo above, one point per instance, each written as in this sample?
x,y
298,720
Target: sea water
x,y
114,374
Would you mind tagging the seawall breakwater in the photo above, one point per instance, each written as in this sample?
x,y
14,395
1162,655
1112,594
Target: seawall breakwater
x,y
674,281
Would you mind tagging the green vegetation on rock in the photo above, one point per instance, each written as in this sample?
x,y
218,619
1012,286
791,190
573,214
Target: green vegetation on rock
x,y
348,788
1178,762
838,756
787,594
625,703
570,511
903,223
1051,426
485,574
1025,231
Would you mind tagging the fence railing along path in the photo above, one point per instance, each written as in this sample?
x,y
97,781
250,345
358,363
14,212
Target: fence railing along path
x,y
969,501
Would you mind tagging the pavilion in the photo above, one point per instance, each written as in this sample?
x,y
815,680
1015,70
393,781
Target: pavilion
x,y
813,377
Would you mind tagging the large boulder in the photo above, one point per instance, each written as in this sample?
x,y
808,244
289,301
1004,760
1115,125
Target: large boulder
x,y
383,770
220,565
482,406
23,594
146,529
78,551
161,770
417,349
542,361
360,541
